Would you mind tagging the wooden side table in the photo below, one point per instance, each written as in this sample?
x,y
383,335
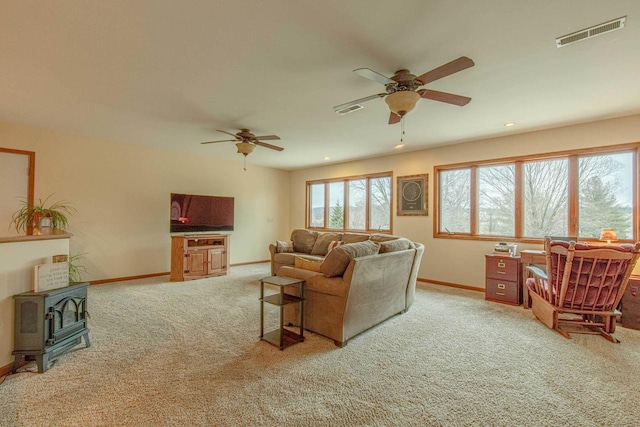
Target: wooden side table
x,y
282,337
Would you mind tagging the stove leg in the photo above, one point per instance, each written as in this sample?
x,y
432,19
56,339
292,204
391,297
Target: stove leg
x,y
42,360
16,363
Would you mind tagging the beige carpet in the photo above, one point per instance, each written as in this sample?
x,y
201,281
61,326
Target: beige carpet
x,y
188,354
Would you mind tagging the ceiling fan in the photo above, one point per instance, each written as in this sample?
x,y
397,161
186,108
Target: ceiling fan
x,y
402,91
248,141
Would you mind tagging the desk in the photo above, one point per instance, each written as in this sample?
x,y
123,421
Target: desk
x,y
630,304
530,257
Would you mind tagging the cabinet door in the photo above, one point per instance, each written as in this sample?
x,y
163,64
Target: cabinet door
x,y
196,263
216,260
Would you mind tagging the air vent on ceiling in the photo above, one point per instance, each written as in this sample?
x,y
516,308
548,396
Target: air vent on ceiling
x,y
587,33
350,109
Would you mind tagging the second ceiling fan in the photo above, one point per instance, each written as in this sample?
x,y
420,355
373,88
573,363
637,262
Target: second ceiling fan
x,y
402,91
246,142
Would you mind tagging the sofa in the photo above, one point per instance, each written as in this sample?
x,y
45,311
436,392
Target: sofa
x,y
351,287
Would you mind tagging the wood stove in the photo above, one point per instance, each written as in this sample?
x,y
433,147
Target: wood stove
x,y
49,323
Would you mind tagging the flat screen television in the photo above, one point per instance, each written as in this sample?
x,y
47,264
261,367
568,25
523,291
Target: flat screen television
x,y
191,213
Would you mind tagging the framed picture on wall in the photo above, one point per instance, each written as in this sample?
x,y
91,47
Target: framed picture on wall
x,y
412,195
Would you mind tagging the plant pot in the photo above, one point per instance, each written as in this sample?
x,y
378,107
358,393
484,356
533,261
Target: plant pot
x,y
45,222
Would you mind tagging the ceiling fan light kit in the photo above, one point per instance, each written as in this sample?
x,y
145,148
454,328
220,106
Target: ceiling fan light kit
x,y
245,148
401,102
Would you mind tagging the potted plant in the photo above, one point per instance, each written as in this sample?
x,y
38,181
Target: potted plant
x,y
30,216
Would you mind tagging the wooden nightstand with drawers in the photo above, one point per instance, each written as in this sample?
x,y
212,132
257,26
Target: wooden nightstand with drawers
x,y
503,279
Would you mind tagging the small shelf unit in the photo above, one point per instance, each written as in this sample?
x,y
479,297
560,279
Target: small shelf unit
x,y
281,337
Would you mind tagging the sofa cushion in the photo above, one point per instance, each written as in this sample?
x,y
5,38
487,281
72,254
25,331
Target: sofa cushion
x,y
289,257
282,246
338,259
307,264
322,242
303,240
354,237
316,282
379,237
400,244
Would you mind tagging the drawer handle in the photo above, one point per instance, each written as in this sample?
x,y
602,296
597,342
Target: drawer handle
x,y
501,272
500,293
501,264
501,286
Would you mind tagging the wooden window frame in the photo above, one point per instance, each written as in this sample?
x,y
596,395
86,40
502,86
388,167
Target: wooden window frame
x,y
345,180
571,155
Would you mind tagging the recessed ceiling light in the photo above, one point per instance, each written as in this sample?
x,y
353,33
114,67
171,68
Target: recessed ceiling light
x,y
398,146
509,124
327,158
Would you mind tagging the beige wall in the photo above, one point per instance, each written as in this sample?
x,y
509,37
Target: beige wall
x,y
122,196
457,261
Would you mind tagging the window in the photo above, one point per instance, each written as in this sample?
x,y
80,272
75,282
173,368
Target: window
x,y
336,205
574,193
496,200
455,200
357,204
361,203
316,205
605,195
546,197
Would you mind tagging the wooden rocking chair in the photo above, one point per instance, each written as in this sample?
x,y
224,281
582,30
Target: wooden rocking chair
x,y
584,282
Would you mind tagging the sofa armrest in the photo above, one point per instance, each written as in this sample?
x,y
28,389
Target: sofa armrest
x,y
272,250
378,289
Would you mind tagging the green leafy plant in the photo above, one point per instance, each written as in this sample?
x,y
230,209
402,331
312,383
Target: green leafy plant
x,y
76,270
29,216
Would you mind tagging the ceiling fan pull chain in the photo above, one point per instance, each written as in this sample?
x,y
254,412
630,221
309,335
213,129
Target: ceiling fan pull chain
x,y
401,129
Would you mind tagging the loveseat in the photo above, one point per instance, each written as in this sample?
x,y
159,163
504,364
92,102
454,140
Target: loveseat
x,y
358,284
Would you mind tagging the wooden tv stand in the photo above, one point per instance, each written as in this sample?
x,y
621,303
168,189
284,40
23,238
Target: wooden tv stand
x,y
198,256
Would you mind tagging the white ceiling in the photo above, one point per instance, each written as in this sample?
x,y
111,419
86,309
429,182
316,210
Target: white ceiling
x,y
169,73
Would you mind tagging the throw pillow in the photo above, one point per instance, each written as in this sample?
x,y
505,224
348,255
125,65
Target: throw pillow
x,y
282,246
400,244
337,261
334,244
379,237
354,237
306,264
322,242
303,240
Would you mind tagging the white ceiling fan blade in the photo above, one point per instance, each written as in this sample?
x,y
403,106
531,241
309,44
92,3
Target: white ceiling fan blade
x,y
224,140
229,133
358,101
373,75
